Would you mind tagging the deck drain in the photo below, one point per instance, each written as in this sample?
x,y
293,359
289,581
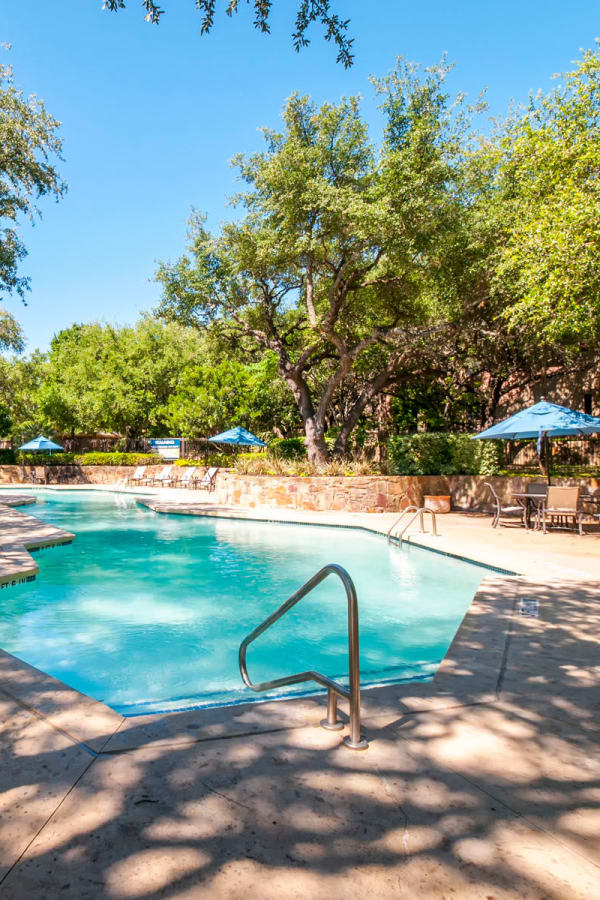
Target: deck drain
x,y
529,607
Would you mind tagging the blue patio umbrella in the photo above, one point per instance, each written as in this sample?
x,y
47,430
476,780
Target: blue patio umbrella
x,y
41,443
543,420
238,436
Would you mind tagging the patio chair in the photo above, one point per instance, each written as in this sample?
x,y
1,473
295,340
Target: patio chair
x,y
190,477
39,475
562,505
507,512
208,481
139,476
165,478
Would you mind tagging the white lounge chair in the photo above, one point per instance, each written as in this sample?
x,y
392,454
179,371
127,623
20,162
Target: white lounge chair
x,y
139,476
190,477
165,478
208,481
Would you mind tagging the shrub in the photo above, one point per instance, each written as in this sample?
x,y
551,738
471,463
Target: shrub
x,y
288,448
221,460
439,453
46,459
118,459
8,457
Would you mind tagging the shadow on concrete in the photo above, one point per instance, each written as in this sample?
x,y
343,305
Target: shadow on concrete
x,y
478,801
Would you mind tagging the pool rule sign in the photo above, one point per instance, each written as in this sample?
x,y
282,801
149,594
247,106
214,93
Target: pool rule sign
x,y
168,448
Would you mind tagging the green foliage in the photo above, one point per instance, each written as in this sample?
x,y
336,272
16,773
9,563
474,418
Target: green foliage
x,y
307,12
287,448
431,453
98,377
8,457
118,459
28,142
89,459
349,261
544,209
45,459
221,460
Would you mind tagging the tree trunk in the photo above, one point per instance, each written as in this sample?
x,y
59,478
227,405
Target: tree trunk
x,y
313,428
356,411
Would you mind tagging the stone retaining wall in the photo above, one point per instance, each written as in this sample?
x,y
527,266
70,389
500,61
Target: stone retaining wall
x,y
361,493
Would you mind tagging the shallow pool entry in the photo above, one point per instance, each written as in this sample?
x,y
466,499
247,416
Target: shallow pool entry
x,y
146,612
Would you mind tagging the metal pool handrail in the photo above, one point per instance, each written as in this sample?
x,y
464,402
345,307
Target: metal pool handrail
x,y
407,509
416,511
334,689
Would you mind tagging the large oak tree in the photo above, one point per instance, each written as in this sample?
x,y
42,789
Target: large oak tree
x,y
350,262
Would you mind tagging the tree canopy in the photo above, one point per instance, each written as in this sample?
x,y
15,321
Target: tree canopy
x,y
307,12
414,282
350,260
545,169
28,144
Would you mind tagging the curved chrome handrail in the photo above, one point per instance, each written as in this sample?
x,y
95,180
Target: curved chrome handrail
x,y
419,512
407,509
354,740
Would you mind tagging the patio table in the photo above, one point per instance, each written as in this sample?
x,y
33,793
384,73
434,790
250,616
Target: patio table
x,y
529,502
534,502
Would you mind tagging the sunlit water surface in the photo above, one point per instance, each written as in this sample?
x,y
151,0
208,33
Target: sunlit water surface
x,y
146,612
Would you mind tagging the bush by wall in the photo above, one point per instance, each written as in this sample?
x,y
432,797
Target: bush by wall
x,y
438,453
45,459
221,460
8,457
287,448
118,459
89,459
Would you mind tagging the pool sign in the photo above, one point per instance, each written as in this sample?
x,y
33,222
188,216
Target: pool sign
x,y
168,448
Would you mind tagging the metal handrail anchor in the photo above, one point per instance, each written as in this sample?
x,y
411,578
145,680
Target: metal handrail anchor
x,y
334,690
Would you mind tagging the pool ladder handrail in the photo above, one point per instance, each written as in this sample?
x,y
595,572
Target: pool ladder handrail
x,y
334,689
416,511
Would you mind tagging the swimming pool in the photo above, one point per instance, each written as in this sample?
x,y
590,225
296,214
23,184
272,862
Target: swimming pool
x,y
146,612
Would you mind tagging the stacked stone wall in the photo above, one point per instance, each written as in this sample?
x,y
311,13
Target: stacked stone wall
x,y
360,493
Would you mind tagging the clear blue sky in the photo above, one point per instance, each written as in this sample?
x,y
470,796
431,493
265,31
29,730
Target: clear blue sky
x,y
152,115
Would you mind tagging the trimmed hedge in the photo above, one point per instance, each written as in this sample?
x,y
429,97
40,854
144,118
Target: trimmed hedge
x,y
45,459
439,453
90,459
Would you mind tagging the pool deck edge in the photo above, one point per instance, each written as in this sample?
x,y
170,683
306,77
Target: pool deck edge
x,y
20,535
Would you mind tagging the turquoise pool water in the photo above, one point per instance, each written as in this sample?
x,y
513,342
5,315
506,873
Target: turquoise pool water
x,y
146,612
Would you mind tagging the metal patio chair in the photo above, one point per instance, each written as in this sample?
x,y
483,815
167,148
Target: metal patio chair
x,y
506,512
561,506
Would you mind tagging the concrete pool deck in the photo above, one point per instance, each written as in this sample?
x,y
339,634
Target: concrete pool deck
x,y
484,783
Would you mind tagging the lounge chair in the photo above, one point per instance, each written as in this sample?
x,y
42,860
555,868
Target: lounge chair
x,y
165,478
562,505
507,512
139,476
208,481
190,477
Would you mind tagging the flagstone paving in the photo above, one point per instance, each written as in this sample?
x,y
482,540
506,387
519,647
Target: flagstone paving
x,y
483,785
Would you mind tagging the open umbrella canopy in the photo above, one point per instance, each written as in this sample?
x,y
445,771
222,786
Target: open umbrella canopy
x,y
41,443
238,435
542,418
